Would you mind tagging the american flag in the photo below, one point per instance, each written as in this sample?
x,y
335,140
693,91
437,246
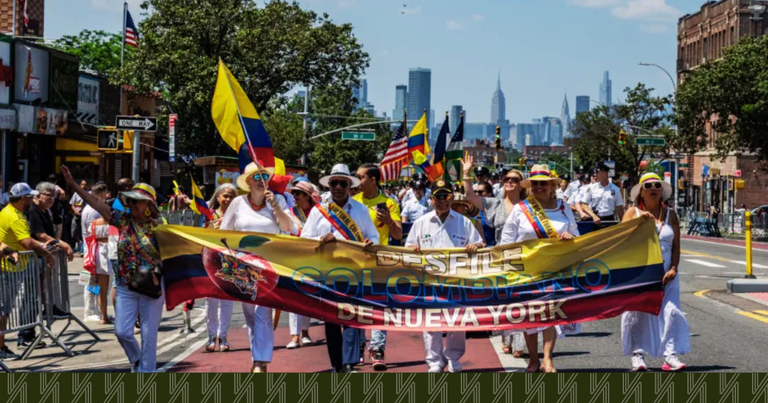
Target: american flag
x,y
397,155
131,33
26,16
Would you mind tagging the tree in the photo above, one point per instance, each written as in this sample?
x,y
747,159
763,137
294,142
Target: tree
x,y
98,51
270,48
642,114
730,94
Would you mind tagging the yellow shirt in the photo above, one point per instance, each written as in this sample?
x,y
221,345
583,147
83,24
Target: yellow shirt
x,y
13,229
394,212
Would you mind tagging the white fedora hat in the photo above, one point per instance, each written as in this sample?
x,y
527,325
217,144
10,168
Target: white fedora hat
x,y
650,177
340,171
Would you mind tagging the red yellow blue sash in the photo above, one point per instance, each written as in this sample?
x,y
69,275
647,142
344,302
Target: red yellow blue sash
x,y
538,218
341,221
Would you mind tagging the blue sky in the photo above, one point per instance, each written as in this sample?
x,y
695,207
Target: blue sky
x,y
542,48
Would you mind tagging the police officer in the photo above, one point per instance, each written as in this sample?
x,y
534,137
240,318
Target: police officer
x,y
573,187
408,194
603,198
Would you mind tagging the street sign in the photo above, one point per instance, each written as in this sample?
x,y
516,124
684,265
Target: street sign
x,y
684,165
668,177
612,166
530,162
107,139
141,123
737,173
650,141
172,136
364,136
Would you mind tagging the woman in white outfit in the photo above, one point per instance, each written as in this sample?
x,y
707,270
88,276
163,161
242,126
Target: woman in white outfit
x,y
519,227
219,311
666,334
496,210
258,211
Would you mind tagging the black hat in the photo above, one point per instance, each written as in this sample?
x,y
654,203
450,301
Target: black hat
x,y
580,170
602,167
482,171
594,171
419,185
441,186
420,176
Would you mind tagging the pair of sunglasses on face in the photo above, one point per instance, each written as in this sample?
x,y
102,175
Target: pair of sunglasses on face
x,y
539,183
511,179
652,185
441,196
338,182
261,177
297,193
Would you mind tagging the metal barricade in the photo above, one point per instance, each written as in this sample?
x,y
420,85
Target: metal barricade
x,y
57,299
21,300
184,217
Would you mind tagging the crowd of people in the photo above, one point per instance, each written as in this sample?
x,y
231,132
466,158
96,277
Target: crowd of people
x,y
118,238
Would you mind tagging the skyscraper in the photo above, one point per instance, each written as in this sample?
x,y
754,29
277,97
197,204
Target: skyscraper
x,y
605,90
419,93
582,104
565,120
456,117
361,93
498,104
401,96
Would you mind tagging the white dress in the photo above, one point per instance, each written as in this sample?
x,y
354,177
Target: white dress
x,y
519,229
667,333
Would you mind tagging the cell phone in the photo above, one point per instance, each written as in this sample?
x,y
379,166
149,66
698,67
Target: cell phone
x,y
382,207
52,245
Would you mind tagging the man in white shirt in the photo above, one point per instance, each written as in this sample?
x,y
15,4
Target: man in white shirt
x,y
418,206
408,196
603,198
573,187
444,228
343,348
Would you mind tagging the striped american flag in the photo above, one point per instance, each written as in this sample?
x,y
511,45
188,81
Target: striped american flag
x,y
131,33
397,155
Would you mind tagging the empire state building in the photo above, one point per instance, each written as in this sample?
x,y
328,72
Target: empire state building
x,y
498,105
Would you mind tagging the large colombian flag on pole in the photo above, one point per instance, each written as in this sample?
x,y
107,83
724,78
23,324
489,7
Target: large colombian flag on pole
x,y
238,122
417,141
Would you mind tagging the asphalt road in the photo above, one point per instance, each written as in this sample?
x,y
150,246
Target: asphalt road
x,y
722,339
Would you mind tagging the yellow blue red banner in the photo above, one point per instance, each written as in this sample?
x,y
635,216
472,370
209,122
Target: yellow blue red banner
x,y
524,285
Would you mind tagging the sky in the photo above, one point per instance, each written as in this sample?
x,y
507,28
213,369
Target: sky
x,y
542,49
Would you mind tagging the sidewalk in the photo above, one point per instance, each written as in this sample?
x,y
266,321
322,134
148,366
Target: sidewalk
x,y
723,241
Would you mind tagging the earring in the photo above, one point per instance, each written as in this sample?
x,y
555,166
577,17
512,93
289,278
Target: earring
x,y
147,212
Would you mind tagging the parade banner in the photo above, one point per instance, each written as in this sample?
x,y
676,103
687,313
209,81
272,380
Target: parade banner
x,y
524,285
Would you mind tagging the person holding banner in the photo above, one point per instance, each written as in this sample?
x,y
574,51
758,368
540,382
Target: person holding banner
x,y
444,228
219,311
306,197
345,219
666,334
259,211
541,216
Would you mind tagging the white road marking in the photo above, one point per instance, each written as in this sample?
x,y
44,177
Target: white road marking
x,y
703,263
181,357
510,363
724,244
742,273
754,265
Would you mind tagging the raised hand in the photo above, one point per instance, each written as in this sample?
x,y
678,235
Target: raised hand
x,y
467,163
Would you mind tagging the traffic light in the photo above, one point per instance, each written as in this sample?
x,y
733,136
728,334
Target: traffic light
x,y
498,137
622,138
680,184
521,161
107,139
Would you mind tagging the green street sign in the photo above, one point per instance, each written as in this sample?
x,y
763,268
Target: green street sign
x,y
684,165
650,141
365,136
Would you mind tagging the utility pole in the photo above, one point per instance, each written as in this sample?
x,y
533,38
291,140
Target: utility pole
x,y
136,133
306,118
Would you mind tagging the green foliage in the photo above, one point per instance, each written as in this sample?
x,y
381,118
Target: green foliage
x,y
98,51
734,86
597,131
270,48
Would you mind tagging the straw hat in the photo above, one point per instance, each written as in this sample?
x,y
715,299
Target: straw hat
x,y
650,177
540,173
340,171
252,168
140,191
471,210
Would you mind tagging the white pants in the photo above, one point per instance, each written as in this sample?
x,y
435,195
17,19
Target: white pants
x,y
260,333
439,356
298,323
128,306
219,314
516,340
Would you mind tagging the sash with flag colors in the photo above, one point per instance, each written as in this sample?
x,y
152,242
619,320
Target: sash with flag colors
x,y
417,141
434,168
238,122
454,154
535,283
198,203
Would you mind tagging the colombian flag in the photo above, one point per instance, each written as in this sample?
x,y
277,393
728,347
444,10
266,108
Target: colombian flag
x,y
238,122
198,203
417,140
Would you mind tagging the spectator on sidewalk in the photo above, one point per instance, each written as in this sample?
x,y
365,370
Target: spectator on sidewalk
x,y
78,205
101,278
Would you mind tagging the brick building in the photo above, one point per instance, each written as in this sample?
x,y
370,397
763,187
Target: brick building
x,y
35,13
701,37
540,151
484,153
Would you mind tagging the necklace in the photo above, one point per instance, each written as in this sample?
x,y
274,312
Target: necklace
x,y
259,207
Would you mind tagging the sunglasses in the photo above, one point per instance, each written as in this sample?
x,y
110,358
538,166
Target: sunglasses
x,y
539,183
341,183
652,185
441,196
297,193
130,201
259,177
511,179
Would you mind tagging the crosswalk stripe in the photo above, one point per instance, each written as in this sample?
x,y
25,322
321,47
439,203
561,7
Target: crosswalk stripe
x,y
703,263
510,363
754,265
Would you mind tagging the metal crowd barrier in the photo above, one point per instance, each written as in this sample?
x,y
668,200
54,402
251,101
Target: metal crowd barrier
x,y
184,217
57,299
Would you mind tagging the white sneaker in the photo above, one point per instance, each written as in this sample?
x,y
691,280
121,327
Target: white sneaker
x,y
135,367
292,345
638,363
671,363
454,367
92,318
436,369
306,341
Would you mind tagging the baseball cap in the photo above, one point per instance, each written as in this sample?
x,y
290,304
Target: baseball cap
x,y
441,186
22,189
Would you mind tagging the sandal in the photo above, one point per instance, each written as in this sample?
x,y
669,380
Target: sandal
x,y
548,369
518,353
530,369
506,349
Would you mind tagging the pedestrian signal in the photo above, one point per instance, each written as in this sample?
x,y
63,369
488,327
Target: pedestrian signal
x,y
107,139
622,138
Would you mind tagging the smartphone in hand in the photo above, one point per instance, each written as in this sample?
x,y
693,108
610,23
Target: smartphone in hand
x,y
51,246
382,207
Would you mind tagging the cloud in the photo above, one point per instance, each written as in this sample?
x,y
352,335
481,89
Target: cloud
x,y
647,10
654,28
411,11
385,52
478,17
451,24
594,3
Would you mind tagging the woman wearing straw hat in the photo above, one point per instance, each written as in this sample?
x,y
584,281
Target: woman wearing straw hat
x,y
258,211
306,197
496,211
137,253
666,334
524,224
219,311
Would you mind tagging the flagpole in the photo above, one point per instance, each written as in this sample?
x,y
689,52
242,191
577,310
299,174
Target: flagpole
x,y
14,18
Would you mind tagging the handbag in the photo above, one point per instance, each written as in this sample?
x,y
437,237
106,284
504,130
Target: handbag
x,y
145,279
92,246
